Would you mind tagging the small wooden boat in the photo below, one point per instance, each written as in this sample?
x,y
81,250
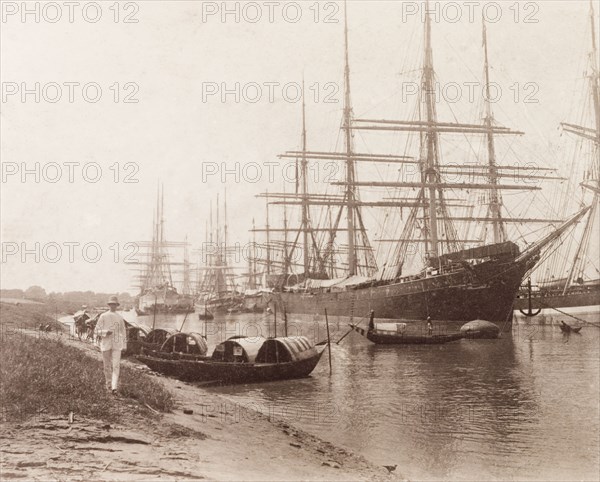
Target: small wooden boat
x,y
242,360
395,334
565,328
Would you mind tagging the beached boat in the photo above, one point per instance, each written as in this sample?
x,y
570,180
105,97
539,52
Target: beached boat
x,y
241,360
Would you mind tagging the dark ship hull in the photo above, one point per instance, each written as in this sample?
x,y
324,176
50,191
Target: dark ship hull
x,y
549,306
484,291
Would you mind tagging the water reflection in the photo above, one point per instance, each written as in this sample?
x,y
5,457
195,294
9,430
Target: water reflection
x,y
524,406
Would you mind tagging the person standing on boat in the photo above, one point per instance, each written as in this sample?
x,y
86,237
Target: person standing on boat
x,y
429,326
111,333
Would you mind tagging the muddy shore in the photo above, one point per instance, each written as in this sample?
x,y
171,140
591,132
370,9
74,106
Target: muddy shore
x,y
213,440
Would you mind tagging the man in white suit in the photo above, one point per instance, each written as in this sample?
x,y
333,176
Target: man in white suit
x,y
112,337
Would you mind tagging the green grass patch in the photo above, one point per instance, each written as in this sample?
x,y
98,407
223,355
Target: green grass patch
x,y
44,375
28,317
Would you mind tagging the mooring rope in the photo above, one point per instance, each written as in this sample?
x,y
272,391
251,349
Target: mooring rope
x,y
570,315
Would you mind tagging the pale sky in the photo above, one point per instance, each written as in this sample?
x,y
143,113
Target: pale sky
x,y
173,56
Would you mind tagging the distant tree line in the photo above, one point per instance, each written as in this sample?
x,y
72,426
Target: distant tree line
x,y
89,298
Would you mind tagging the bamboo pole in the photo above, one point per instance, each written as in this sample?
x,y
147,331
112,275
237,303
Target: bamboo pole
x,y
154,317
183,322
328,340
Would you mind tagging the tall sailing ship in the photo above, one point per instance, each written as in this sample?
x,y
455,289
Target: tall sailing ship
x,y
216,291
456,278
158,294
567,286
256,295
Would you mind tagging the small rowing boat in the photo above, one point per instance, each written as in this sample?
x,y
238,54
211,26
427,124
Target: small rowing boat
x,y
396,334
565,328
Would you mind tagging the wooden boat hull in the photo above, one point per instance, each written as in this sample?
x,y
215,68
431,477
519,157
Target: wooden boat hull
x,y
487,293
384,339
226,372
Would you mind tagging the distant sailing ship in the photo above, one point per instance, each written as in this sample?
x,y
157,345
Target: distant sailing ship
x,y
256,297
569,283
216,290
157,291
455,283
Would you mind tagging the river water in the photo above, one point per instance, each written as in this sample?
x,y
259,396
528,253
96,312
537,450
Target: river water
x,y
523,407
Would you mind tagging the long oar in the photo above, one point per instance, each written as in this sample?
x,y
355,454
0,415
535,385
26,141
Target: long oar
x,y
349,331
581,320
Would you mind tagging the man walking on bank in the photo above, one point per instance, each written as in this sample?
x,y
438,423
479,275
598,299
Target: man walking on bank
x,y
111,334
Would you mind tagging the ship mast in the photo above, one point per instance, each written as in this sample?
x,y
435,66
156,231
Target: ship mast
x,y
268,231
218,239
431,198
350,172
286,253
304,185
154,278
219,256
252,260
225,227
438,232
595,81
594,135
226,275
186,288
430,168
315,257
495,206
156,271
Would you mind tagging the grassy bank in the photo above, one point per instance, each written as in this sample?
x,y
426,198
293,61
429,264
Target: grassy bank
x,y
27,317
41,374
44,376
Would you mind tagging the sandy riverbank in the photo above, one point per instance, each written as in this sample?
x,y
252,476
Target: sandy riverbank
x,y
217,441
